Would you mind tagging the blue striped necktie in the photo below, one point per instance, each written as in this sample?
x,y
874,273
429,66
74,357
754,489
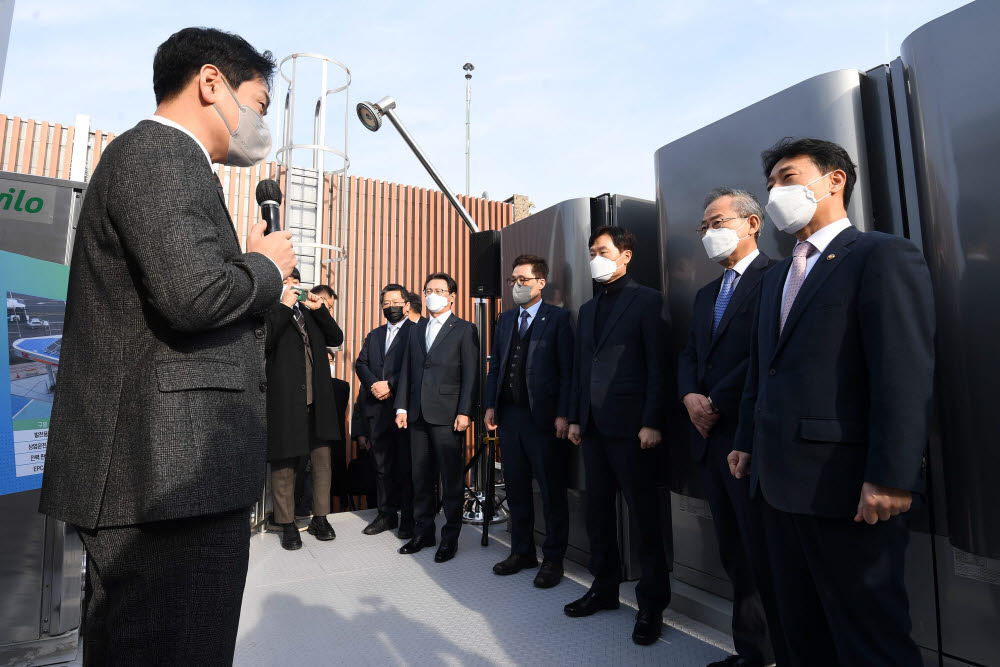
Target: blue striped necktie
x,y
725,294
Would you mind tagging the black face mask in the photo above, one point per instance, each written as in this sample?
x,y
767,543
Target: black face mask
x,y
393,313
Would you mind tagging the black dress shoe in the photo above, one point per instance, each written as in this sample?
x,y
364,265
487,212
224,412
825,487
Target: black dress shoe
x,y
590,603
321,528
445,552
734,661
549,574
382,523
290,539
416,544
514,563
648,626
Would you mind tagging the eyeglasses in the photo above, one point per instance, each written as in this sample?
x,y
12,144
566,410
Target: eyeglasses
x,y
439,292
520,280
717,224
390,304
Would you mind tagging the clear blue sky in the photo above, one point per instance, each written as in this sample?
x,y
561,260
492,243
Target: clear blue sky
x,y
569,98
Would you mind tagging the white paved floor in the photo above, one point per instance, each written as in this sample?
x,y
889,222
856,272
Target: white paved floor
x,y
355,601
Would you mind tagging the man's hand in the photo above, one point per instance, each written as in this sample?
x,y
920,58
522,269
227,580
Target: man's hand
x,y
702,413
401,420
739,463
881,503
649,437
313,301
363,442
290,296
277,246
461,423
562,427
381,391
491,419
575,434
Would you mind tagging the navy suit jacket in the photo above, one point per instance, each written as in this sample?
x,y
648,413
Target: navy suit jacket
x,y
620,380
843,395
375,364
717,366
549,366
440,383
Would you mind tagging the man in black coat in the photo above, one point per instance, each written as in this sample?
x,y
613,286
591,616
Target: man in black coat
x,y
835,414
302,417
617,412
711,372
527,398
436,398
156,450
378,366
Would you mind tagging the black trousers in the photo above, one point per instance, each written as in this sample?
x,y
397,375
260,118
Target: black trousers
x,y
437,449
165,593
393,471
840,590
743,551
529,451
610,465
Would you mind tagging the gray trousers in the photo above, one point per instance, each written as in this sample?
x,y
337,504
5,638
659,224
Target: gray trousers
x,y
167,592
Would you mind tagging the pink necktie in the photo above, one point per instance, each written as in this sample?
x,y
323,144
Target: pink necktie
x,y
796,276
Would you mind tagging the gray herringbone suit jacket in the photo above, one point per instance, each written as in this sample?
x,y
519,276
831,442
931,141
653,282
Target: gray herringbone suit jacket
x,y
159,406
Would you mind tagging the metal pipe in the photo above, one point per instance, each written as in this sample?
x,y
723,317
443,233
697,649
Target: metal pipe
x,y
466,218
468,120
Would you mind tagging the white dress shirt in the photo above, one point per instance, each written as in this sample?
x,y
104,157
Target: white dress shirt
x,y
391,331
177,126
741,267
434,325
819,240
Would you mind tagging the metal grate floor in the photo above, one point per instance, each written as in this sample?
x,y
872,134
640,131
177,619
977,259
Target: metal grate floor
x,y
355,601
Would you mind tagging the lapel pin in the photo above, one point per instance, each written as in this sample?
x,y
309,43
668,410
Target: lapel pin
x,y
830,256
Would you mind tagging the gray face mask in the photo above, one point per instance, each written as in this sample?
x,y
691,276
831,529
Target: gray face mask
x,y
250,142
521,294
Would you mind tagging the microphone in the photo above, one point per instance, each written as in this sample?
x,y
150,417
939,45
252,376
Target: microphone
x,y
269,200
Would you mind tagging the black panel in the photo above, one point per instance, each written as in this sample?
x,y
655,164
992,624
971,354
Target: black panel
x,y
485,272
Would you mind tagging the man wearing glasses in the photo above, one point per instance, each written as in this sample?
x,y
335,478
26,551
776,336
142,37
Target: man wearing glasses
x,y
527,398
435,399
378,367
710,375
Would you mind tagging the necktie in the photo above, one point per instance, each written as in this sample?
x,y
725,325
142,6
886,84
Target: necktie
x,y
299,321
725,294
523,329
390,334
432,327
796,276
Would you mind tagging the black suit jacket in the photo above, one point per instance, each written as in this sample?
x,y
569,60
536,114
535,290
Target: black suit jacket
x,y
440,383
620,380
549,366
717,366
287,428
375,364
843,395
160,409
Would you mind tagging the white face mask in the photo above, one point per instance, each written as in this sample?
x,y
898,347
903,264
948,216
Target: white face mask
x,y
721,243
602,268
435,302
792,207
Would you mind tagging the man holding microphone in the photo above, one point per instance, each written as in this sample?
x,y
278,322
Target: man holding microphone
x,y
157,443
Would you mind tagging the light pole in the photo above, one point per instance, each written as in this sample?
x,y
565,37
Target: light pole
x,y
468,67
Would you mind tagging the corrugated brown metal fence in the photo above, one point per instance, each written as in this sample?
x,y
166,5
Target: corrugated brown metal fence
x,y
389,232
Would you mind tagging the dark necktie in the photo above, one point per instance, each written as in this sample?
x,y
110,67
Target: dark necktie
x,y
523,329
